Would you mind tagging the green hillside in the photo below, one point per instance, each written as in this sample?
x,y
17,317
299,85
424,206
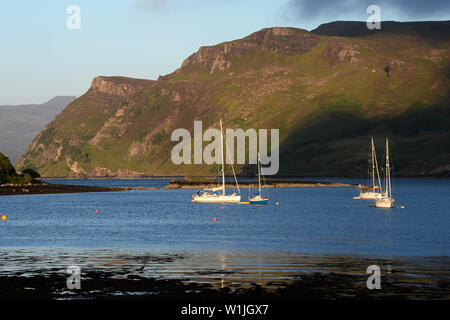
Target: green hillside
x,y
327,94
8,174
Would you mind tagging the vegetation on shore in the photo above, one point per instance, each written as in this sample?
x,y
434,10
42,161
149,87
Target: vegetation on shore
x,y
8,174
203,183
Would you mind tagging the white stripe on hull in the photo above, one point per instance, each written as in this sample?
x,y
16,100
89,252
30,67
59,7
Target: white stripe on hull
x,y
216,199
370,195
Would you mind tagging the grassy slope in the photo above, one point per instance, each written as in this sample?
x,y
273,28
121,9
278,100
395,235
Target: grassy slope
x,y
326,110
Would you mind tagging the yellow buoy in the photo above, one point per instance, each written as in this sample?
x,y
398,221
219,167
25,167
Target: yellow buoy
x,y
4,218
277,203
403,207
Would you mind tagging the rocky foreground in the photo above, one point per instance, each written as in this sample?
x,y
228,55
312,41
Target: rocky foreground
x,y
134,278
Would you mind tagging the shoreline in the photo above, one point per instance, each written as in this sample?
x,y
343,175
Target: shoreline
x,y
99,285
50,188
196,183
168,177
274,183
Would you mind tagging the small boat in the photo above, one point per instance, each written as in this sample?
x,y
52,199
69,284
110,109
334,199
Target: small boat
x,y
210,195
374,191
258,199
386,201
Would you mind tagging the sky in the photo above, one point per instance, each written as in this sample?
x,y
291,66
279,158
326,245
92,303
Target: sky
x,y
40,57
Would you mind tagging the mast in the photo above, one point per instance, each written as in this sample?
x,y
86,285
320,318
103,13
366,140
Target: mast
x,y
221,148
259,176
373,165
388,171
378,171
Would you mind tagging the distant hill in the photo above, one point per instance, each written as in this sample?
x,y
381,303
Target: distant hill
x,y
432,29
20,124
328,91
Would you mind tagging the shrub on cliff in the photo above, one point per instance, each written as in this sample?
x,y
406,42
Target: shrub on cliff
x,y
9,175
33,173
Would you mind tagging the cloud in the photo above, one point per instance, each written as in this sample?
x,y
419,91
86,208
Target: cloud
x,y
390,9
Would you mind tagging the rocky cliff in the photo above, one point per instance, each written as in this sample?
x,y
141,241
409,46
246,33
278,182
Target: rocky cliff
x,y
327,94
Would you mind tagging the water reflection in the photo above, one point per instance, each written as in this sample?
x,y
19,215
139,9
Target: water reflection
x,y
219,268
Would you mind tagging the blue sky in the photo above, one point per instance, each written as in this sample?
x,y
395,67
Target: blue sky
x,y
41,58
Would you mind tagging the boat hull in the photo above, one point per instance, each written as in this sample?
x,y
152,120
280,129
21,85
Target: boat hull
x,y
258,201
369,196
384,203
217,199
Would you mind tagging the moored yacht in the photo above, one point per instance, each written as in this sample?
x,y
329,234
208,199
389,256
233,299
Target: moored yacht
x,y
374,191
386,201
211,195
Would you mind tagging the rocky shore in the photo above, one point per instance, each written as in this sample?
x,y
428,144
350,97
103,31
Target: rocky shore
x,y
118,286
49,188
45,188
275,183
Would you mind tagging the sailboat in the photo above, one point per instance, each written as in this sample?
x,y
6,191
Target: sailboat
x,y
374,191
386,201
258,199
210,195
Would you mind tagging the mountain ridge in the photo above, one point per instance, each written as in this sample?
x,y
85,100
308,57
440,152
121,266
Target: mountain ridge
x,y
19,124
326,94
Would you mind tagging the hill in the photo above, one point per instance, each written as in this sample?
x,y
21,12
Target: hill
x,y
8,174
431,29
20,124
327,94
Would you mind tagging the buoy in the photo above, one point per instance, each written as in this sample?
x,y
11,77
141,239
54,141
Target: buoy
x,y
277,203
403,207
215,219
4,218
96,211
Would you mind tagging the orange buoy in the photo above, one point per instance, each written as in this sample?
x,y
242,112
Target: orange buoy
x,y
4,218
96,211
215,219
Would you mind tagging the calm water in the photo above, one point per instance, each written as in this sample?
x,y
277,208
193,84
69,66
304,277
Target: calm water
x,y
307,220
312,229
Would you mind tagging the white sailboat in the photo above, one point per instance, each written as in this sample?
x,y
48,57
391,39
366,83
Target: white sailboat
x,y
386,201
374,191
210,195
259,199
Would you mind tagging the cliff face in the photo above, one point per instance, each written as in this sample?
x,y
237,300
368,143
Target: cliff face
x,y
119,86
285,41
327,95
